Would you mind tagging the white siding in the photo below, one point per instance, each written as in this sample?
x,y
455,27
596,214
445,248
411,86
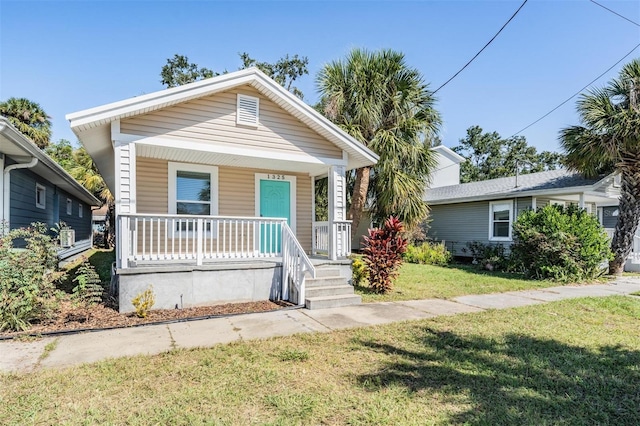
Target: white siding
x,y
212,119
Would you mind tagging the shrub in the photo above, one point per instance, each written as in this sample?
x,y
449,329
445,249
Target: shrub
x,y
488,256
428,254
358,271
383,254
89,288
560,244
27,277
143,302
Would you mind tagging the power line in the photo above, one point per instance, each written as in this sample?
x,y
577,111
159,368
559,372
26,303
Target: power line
x,y
615,13
480,51
578,92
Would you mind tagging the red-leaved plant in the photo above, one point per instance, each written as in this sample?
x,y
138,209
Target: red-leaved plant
x,y
383,250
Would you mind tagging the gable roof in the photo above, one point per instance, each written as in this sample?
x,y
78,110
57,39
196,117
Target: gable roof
x,y
16,145
552,181
90,125
449,153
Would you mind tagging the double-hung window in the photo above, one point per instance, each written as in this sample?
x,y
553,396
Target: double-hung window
x,y
193,189
500,220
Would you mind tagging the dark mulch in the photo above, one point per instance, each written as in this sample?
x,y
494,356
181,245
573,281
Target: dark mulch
x,y
71,317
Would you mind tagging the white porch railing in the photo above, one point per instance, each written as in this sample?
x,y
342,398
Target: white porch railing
x,y
295,264
194,239
163,239
320,238
322,241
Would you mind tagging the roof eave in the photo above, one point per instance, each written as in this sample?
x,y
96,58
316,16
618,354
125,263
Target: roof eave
x,y
512,194
103,115
32,149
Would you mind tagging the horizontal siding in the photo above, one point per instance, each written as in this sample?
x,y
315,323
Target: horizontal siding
x,y
523,204
152,190
82,225
236,193
459,224
213,120
23,210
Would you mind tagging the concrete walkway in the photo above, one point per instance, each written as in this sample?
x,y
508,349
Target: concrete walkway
x,y
74,349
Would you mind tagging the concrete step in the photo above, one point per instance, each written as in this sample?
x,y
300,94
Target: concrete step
x,y
325,302
327,272
325,281
334,290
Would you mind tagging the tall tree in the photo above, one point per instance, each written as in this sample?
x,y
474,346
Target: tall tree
x,y
178,71
29,118
62,153
607,140
286,70
490,156
384,104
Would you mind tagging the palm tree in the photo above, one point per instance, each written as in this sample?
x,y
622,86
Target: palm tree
x,y
85,171
29,118
609,140
384,104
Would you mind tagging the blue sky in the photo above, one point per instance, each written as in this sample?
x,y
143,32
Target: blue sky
x,y
75,55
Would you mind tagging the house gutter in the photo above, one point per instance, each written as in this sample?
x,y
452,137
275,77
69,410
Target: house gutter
x,y
6,183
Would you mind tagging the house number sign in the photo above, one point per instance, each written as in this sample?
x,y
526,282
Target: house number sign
x,y
276,177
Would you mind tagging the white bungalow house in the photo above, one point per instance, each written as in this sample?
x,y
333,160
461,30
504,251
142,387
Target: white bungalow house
x,y
214,188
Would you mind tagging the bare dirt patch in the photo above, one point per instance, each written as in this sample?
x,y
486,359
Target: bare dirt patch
x,y
69,316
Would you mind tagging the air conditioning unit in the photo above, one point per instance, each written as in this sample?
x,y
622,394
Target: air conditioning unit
x,y
67,238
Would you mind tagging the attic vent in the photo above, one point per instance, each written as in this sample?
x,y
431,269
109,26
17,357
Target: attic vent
x,y
617,181
248,108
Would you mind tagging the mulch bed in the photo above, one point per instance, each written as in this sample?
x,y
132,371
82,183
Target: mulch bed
x,y
71,317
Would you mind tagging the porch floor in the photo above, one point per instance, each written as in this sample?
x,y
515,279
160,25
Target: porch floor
x,y
152,267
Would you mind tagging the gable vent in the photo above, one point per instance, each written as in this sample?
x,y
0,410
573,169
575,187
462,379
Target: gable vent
x,y
248,108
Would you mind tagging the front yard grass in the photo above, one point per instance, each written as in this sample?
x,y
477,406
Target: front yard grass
x,y
437,282
570,362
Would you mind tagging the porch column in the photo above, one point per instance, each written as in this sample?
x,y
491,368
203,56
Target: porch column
x,y
337,211
581,201
124,196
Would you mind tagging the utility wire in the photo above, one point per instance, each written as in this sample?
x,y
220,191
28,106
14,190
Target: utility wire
x,y
615,13
480,51
578,92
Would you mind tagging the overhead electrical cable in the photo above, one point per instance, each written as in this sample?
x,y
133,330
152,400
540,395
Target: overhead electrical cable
x,y
480,51
578,92
615,13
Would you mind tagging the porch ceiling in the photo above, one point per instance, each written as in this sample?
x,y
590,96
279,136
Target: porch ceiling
x,y
310,165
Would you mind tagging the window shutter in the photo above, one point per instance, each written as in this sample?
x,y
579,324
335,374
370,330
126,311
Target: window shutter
x,y
248,109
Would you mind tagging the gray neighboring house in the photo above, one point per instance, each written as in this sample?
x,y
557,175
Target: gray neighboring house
x,y
35,188
484,211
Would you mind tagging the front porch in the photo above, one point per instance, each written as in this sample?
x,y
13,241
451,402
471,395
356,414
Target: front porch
x,y
195,260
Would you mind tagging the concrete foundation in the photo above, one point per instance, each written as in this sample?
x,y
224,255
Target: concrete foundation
x,y
184,286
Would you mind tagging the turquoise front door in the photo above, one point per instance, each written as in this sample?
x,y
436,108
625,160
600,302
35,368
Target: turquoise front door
x,y
275,201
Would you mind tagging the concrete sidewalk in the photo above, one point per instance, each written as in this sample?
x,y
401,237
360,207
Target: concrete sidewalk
x,y
90,347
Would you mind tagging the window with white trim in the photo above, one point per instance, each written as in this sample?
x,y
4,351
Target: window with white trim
x,y
80,212
557,203
248,110
41,196
193,189
69,206
500,220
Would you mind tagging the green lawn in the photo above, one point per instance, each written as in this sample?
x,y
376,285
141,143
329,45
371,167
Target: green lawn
x,y
428,282
573,362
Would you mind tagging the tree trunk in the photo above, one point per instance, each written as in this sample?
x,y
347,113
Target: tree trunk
x,y
628,219
359,198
